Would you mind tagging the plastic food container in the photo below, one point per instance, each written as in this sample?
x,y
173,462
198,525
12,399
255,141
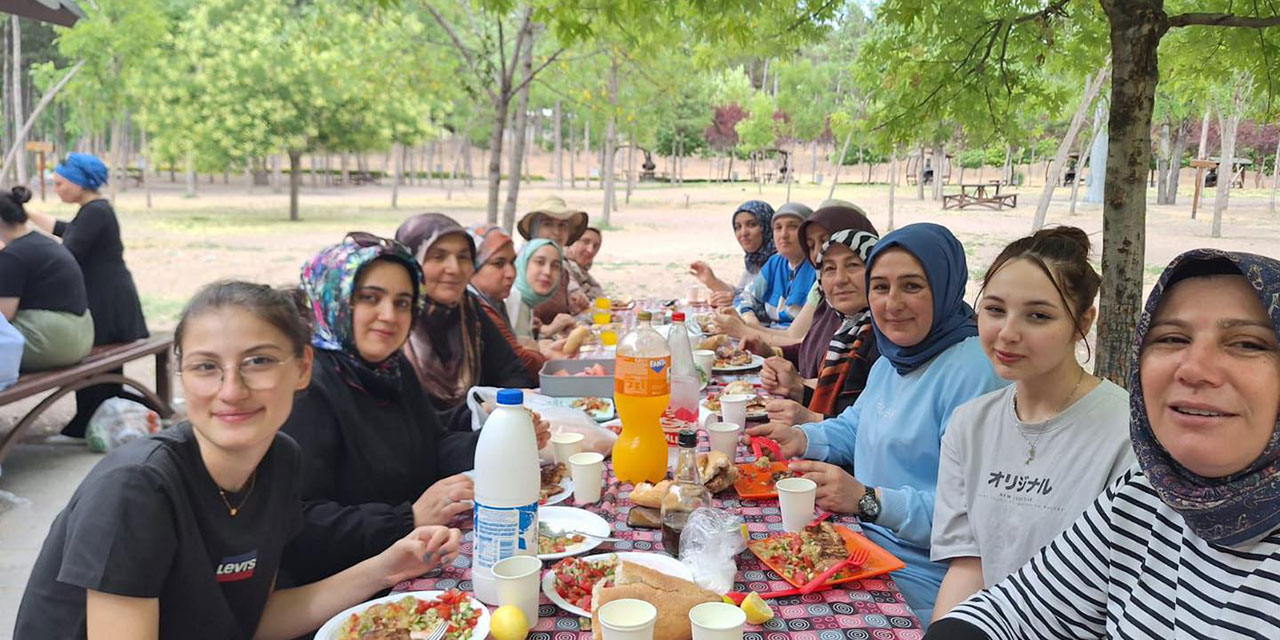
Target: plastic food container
x,y
572,386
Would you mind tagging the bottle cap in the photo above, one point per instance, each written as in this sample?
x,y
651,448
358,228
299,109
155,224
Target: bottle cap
x,y
688,438
677,316
511,397
644,316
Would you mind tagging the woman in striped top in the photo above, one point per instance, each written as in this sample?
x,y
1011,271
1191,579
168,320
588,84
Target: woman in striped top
x,y
1187,543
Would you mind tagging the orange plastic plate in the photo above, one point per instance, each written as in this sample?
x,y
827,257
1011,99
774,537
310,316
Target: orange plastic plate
x,y
878,563
757,484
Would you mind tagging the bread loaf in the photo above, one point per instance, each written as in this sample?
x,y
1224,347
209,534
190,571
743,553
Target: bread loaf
x,y
672,596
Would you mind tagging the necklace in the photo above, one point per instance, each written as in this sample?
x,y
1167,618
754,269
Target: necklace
x,y
1031,444
236,509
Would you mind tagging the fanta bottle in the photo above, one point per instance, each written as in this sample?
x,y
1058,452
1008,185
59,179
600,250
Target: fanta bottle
x,y
641,391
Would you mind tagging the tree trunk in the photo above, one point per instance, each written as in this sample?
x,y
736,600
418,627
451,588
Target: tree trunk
x,y
631,166
1162,164
1175,161
1092,87
1008,165
835,177
520,124
19,136
1229,124
813,157
1275,176
1136,29
1203,151
397,159
609,136
893,183
146,167
920,175
939,169
559,143
573,154
277,174
191,174
16,151
495,155
1081,160
295,182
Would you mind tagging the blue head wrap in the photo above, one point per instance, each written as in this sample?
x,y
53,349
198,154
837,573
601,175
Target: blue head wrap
x,y
83,169
942,256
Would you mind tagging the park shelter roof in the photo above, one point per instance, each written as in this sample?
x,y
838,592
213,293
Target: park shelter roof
x,y
60,12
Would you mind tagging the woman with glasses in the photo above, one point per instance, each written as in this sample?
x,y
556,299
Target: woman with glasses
x,y
180,535
454,345
376,460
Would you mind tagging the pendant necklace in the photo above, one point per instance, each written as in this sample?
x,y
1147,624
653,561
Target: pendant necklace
x,y
236,509
1031,444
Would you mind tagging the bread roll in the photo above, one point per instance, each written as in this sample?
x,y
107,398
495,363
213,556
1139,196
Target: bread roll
x,y
575,340
672,596
649,495
716,471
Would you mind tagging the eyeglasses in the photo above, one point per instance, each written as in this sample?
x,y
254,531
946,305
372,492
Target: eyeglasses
x,y
257,373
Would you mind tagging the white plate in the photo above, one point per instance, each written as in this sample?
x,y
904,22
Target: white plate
x,y
656,561
603,415
566,488
756,362
573,519
751,415
330,629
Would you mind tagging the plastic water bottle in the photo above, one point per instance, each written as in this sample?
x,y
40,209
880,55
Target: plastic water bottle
x,y
506,491
641,392
685,380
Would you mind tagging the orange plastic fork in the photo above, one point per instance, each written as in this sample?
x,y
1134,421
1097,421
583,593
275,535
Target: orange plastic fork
x,y
857,558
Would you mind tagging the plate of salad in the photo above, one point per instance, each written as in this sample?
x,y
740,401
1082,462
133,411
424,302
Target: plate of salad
x,y
569,582
558,532
416,612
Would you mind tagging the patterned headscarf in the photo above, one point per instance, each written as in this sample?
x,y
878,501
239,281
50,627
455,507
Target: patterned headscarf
x,y
849,335
763,213
942,257
329,280
445,345
488,240
834,215
527,294
83,169
1245,505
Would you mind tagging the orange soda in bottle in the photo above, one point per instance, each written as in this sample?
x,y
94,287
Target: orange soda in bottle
x,y
641,392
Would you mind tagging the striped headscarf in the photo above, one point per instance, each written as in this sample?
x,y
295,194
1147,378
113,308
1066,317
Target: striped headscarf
x,y
847,342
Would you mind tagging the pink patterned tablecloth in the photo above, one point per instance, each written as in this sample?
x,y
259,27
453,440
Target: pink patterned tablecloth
x,y
864,609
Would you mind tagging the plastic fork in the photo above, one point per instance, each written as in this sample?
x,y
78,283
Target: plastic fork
x,y
857,557
737,596
437,632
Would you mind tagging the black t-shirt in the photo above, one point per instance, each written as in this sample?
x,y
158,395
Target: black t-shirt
x,y
148,522
42,274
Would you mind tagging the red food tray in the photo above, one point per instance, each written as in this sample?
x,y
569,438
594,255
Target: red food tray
x,y
758,484
878,562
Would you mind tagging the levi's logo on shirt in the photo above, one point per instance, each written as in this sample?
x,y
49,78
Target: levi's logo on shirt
x,y
236,568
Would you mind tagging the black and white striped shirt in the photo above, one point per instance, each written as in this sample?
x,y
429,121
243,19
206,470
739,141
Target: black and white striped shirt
x,y
1130,568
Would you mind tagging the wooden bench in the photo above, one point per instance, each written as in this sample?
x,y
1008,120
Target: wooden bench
x,y
976,195
97,368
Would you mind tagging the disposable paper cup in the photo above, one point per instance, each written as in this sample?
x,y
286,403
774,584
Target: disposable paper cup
x,y
724,438
733,408
717,621
587,470
566,443
518,579
795,497
704,360
627,619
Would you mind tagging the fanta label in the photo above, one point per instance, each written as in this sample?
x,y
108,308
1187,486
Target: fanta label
x,y
642,377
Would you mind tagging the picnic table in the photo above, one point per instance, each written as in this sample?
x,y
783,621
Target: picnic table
x,y
868,608
980,194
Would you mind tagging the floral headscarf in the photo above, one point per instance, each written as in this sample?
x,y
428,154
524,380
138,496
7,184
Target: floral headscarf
x,y
763,213
329,280
488,240
1244,505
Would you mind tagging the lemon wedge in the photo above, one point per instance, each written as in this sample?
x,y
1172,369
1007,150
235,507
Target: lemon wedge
x,y
508,622
758,612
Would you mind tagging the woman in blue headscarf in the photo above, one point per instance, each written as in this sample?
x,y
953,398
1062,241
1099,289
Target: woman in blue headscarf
x,y
931,362
753,228
538,277
93,237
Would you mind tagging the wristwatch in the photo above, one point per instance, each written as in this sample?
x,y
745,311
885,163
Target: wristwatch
x,y
869,505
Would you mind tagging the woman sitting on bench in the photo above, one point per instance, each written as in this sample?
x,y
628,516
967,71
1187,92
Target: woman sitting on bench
x,y
41,291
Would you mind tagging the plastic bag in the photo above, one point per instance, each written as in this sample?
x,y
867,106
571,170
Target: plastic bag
x,y
562,419
118,421
711,539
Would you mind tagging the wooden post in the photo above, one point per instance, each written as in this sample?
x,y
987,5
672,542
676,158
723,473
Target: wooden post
x,y
1200,165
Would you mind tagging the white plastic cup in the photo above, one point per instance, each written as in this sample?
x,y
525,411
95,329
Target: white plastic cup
x,y
717,621
627,619
724,438
795,497
733,408
704,360
587,470
518,583
566,443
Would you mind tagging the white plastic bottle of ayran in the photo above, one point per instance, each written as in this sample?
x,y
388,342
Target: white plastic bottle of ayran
x,y
506,491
